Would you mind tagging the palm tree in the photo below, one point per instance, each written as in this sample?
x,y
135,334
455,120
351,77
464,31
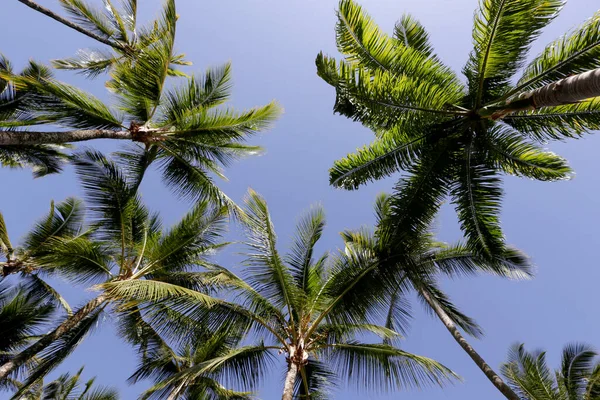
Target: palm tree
x,y
449,137
577,379
308,309
123,251
22,316
206,355
67,387
416,262
181,129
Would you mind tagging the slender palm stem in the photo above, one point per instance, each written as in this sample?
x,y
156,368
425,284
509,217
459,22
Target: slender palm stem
x,y
21,138
290,380
479,361
68,324
70,24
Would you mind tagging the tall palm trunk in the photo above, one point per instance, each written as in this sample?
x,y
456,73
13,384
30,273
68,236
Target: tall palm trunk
x,y
565,91
68,324
290,380
16,138
479,361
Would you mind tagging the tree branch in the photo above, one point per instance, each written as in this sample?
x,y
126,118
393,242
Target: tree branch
x,y
16,138
70,24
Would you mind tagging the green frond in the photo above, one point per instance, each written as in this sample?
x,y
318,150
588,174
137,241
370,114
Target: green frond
x,y
515,156
88,17
40,289
502,33
318,378
65,220
130,13
381,367
411,33
576,52
115,205
300,257
5,244
140,83
267,272
22,315
577,364
398,316
477,195
188,179
87,62
558,123
460,260
149,291
189,242
417,197
394,152
224,125
42,159
54,354
380,99
465,322
78,259
65,105
528,374
363,44
197,95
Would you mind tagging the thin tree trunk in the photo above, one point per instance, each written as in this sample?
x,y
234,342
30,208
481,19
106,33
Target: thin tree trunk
x,y
565,91
15,138
290,380
68,324
70,24
479,361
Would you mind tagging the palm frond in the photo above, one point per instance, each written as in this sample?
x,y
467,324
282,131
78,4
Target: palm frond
x,y
558,123
502,33
42,159
477,195
411,33
87,62
54,354
267,272
382,367
573,53
88,17
515,156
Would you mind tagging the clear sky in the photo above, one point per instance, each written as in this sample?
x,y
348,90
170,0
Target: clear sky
x,y
272,45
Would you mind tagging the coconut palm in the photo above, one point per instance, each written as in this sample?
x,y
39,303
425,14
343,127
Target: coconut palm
x,y
448,137
306,308
577,379
123,250
416,263
209,356
181,129
23,315
67,387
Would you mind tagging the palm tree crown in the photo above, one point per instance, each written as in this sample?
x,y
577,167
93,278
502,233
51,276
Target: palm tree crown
x,y
577,379
123,252
180,128
313,309
448,136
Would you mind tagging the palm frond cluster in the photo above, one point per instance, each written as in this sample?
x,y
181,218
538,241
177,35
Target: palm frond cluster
x,y
204,331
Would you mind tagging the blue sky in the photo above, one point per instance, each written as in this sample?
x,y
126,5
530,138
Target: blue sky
x,y
272,45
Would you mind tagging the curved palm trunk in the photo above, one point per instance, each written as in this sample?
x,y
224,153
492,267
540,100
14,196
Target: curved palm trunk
x,y
290,380
565,91
68,324
479,361
16,138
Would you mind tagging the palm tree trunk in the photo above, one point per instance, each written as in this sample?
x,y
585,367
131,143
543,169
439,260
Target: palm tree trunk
x,y
70,24
290,380
68,324
16,138
479,361
565,91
